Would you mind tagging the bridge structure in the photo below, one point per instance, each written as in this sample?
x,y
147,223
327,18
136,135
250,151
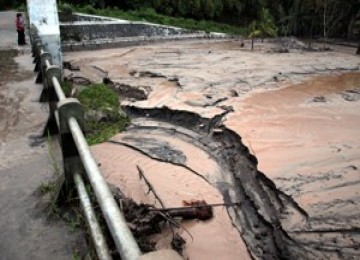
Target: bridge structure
x,y
66,118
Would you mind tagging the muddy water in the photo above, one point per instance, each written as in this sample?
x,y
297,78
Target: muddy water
x,y
291,118
213,239
306,138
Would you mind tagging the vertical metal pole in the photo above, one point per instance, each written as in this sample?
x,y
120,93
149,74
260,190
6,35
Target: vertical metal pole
x,y
98,239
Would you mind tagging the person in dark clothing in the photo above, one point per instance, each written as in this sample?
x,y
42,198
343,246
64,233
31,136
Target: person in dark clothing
x,y
20,27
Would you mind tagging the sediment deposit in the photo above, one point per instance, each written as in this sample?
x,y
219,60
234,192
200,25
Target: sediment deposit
x,y
277,132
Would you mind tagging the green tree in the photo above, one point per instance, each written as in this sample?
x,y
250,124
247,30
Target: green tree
x,y
265,27
254,33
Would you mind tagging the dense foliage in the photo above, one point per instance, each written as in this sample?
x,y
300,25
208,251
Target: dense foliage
x,y
333,18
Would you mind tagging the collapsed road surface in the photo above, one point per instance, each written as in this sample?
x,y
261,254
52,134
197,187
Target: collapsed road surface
x,y
199,107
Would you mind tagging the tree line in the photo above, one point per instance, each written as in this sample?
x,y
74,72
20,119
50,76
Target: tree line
x,y
329,18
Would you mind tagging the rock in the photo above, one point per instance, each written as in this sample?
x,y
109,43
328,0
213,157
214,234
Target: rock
x,y
100,116
150,74
227,108
175,79
79,80
132,72
107,81
319,99
68,65
234,93
351,95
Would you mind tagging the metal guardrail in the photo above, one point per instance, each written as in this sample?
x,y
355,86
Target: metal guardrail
x,y
68,116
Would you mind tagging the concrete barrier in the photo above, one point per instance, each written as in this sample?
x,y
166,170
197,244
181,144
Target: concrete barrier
x,y
88,32
43,15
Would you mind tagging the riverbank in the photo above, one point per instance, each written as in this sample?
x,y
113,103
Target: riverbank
x,y
292,108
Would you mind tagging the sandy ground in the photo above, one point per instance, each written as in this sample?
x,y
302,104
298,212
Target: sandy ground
x,y
25,164
297,112
174,184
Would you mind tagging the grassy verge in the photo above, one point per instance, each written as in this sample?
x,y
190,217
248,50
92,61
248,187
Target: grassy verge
x,y
150,15
103,117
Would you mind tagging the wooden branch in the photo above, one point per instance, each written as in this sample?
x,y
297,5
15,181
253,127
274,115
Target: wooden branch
x,y
197,206
151,188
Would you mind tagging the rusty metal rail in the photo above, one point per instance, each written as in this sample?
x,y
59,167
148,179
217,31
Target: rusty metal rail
x,y
68,116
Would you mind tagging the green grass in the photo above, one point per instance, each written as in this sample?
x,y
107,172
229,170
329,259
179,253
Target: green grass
x,y
97,100
66,87
47,187
150,15
98,96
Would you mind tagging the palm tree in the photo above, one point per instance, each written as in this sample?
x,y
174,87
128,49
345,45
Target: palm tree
x,y
265,27
254,32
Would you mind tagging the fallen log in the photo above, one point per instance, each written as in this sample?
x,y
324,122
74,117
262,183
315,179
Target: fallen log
x,y
195,210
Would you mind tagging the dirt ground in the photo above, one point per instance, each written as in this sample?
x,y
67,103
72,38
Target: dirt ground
x,y
275,131
296,111
25,161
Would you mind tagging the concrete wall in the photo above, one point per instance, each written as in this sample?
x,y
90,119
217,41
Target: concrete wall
x,y
44,16
78,17
91,32
110,30
133,41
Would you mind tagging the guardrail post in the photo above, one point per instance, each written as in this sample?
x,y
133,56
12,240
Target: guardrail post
x,y
33,41
44,56
37,59
53,71
35,44
48,94
67,108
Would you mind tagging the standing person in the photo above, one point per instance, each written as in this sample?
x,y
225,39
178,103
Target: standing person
x,y
20,27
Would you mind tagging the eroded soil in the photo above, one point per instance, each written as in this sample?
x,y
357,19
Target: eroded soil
x,y
212,106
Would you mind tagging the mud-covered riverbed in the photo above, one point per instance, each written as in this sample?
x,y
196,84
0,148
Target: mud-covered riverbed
x,y
207,108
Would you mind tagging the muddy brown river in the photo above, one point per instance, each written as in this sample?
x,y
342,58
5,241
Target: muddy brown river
x,y
277,133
